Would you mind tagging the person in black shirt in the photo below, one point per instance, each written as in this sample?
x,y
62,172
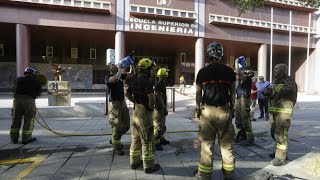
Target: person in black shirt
x,y
141,93
242,107
118,111
160,113
215,92
25,91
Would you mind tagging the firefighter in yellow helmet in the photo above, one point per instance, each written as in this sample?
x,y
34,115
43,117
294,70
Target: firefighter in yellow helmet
x,y
141,93
283,97
26,89
160,112
214,103
118,112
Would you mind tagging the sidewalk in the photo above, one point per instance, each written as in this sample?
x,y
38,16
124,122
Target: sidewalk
x,y
91,157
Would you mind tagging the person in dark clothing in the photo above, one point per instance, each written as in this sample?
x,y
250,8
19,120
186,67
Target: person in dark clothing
x,y
160,112
118,112
242,107
25,91
141,93
215,92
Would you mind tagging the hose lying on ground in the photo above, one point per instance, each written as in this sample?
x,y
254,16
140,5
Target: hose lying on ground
x,y
47,127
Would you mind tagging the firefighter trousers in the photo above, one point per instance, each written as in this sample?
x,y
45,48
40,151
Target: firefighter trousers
x,y
159,122
142,137
216,121
23,107
120,121
242,117
281,123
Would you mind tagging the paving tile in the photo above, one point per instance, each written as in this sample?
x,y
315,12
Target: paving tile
x,y
99,163
67,175
120,162
37,177
50,166
75,164
120,174
175,172
96,175
140,175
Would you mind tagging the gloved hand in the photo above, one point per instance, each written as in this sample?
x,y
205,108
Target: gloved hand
x,y
165,111
198,113
272,132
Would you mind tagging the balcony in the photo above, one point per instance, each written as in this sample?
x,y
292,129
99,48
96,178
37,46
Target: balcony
x,y
165,13
290,4
80,5
257,24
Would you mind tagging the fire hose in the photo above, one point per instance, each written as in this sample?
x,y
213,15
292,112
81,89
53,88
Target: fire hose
x,y
45,125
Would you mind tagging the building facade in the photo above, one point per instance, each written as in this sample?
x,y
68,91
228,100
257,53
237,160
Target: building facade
x,y
174,33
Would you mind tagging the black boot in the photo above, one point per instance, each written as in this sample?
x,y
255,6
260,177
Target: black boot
x,y
29,141
121,145
156,167
135,166
163,141
158,147
14,141
119,152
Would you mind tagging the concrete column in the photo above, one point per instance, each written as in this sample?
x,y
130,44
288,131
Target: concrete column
x,y
199,56
119,46
262,61
22,48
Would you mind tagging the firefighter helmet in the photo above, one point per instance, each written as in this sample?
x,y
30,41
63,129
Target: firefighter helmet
x,y
215,51
145,63
30,70
162,72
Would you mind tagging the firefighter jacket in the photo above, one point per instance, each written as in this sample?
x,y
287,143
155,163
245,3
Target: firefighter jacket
x,y
284,95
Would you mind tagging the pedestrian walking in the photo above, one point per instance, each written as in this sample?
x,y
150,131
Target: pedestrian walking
x,y
214,104
182,85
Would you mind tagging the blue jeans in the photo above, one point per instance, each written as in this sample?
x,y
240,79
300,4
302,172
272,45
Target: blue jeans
x,y
264,107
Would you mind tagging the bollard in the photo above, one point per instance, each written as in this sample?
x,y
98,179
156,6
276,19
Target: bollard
x,y
173,99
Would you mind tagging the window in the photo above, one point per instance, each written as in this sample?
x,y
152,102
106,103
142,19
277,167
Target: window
x,y
74,53
1,50
93,53
49,51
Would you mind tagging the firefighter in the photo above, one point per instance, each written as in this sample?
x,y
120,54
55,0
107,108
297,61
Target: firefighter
x,y
25,91
141,93
245,134
118,111
214,103
160,112
283,96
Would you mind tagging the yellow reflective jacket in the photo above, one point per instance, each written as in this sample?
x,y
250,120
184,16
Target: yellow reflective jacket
x,y
284,95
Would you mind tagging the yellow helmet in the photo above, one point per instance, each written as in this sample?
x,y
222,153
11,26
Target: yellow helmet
x,y
162,72
145,63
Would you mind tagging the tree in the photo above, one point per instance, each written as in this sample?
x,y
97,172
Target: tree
x,y
245,5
